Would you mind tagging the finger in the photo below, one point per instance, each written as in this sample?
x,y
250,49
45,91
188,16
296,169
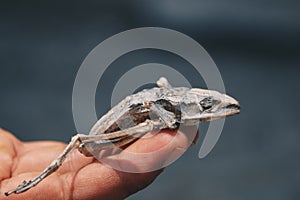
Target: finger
x,y
153,152
9,147
97,180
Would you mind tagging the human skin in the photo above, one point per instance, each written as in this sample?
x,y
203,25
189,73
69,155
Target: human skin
x,y
81,177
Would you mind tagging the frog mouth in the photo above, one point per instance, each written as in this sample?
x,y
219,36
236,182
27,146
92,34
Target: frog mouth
x,y
232,109
221,112
228,110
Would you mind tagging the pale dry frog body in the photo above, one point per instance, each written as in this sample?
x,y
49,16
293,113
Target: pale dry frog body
x,y
151,109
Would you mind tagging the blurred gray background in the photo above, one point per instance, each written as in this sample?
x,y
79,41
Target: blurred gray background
x,y
254,43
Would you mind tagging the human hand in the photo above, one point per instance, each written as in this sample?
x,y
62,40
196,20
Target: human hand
x,y
81,177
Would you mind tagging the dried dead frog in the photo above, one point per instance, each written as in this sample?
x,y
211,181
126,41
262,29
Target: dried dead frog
x,y
151,109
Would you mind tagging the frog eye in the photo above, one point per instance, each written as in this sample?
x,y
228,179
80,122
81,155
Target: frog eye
x,y
206,103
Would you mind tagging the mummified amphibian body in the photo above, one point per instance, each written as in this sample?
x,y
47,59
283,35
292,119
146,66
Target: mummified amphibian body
x,y
151,109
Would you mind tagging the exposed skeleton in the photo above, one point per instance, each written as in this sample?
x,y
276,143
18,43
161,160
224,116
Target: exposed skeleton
x,y
140,113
